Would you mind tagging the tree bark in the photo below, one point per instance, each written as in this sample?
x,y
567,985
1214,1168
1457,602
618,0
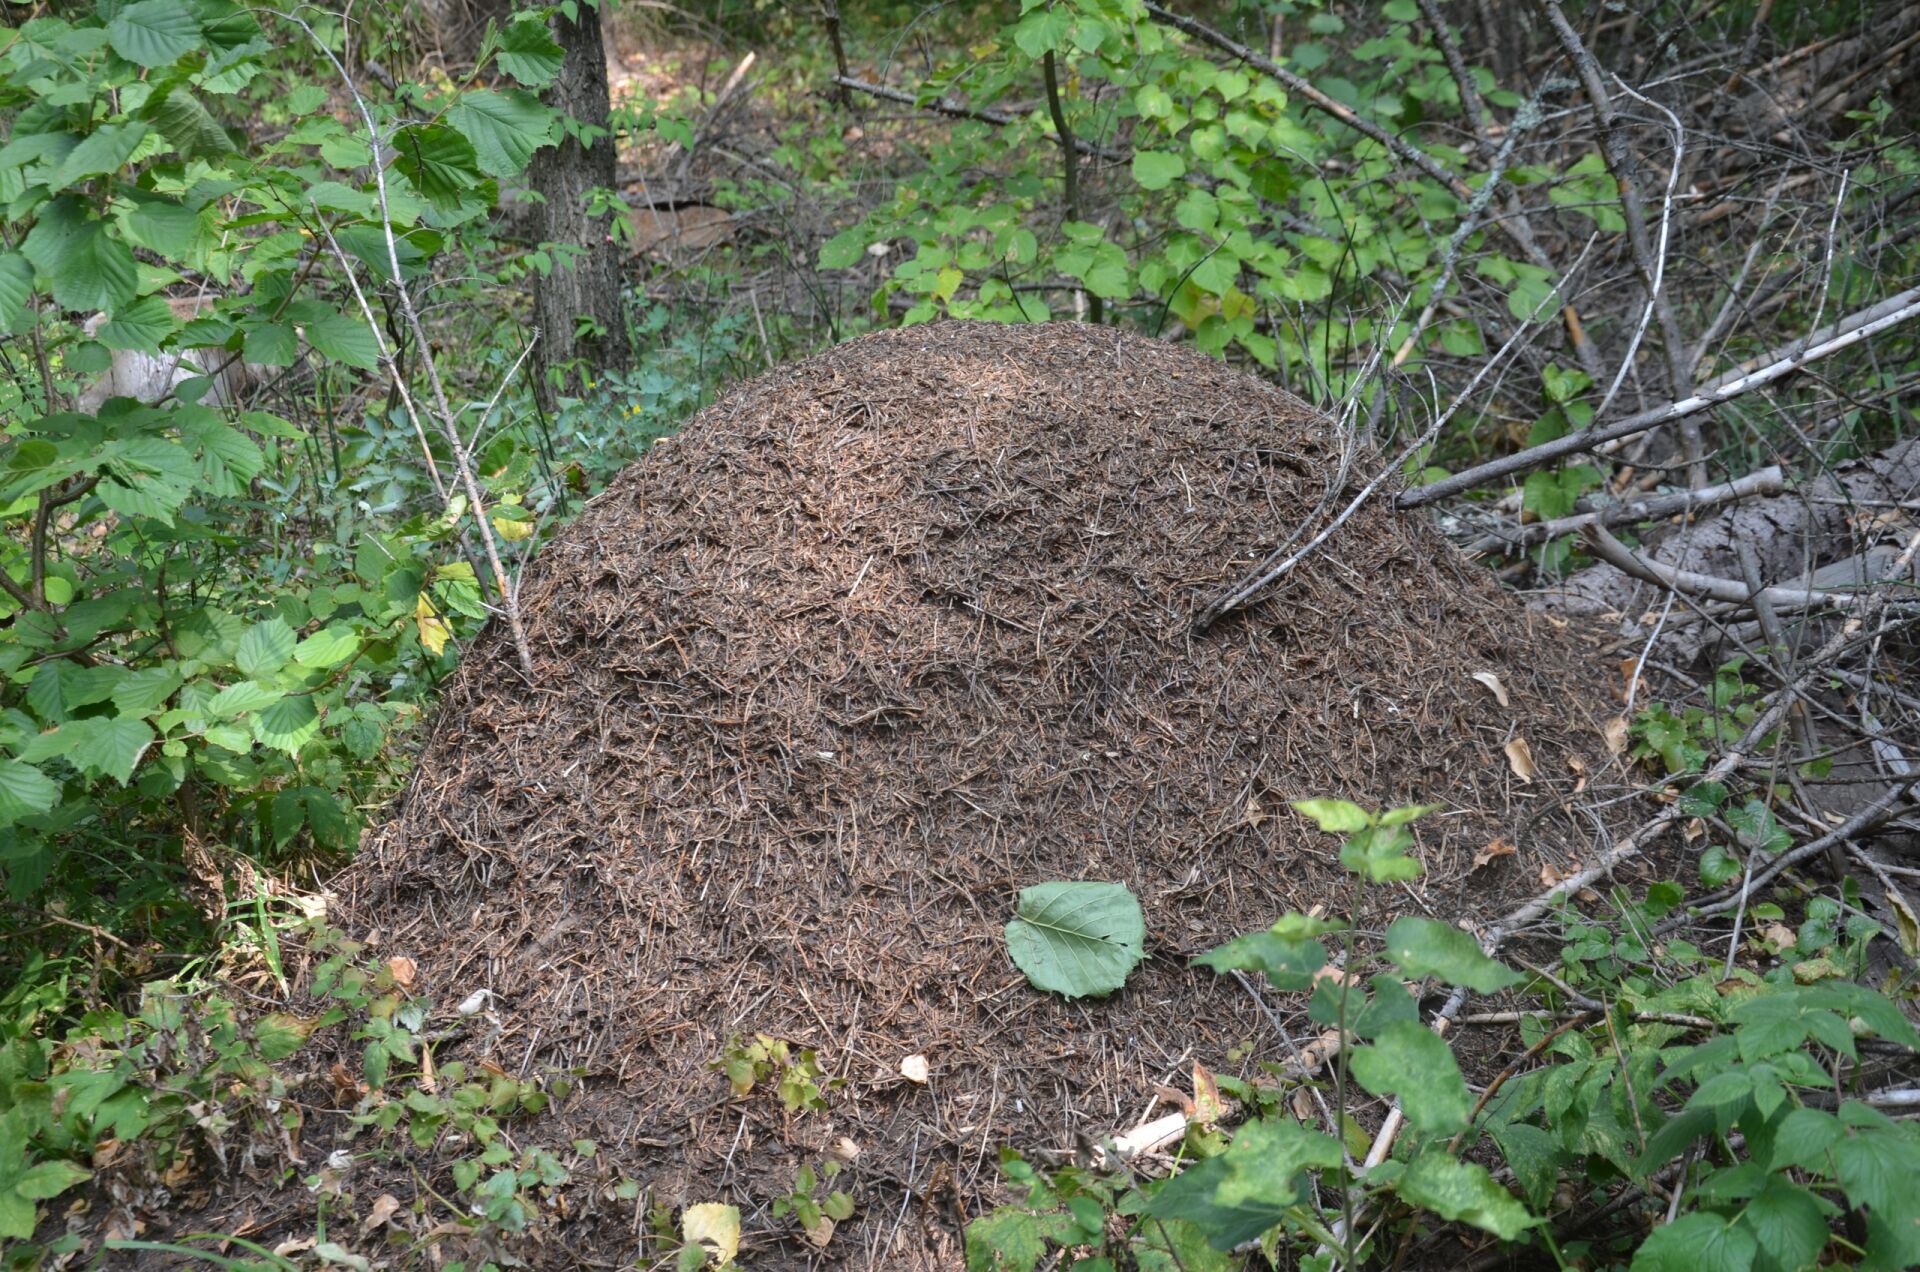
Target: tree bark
x,y
584,288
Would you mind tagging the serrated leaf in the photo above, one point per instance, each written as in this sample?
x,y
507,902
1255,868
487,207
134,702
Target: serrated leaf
x,y
47,1180
1289,964
714,1225
344,339
108,747
329,647
16,287
1241,1193
92,270
1463,1192
1423,947
288,724
103,151
139,692
1788,1222
504,127
265,648
24,791
325,818
140,326
1378,854
529,53
1698,1242
238,699
1077,939
289,815
185,122
441,164
1410,1061
154,32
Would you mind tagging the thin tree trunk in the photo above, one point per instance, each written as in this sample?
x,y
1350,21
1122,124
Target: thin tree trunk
x,y
578,307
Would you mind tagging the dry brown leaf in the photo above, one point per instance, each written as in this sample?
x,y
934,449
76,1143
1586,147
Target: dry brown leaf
x,y
914,1069
1550,875
1520,759
1498,848
1302,1102
821,1232
1492,682
1178,1099
385,1207
845,1149
403,970
295,1245
1779,935
1614,732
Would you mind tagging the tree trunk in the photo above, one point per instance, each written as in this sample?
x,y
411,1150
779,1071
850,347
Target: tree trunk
x,y
584,288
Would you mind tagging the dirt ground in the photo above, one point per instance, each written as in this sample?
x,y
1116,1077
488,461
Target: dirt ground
x,y
882,638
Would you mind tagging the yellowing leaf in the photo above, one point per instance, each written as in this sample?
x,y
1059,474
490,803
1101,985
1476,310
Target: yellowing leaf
x,y
510,530
433,629
714,1224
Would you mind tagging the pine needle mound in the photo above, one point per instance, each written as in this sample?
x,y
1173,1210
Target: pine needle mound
x,y
877,641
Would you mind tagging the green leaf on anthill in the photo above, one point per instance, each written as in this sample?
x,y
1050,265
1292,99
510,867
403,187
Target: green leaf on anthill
x,y
440,163
504,127
154,32
1410,1061
1335,816
1463,1192
1286,953
1079,940
1423,947
529,53
1378,854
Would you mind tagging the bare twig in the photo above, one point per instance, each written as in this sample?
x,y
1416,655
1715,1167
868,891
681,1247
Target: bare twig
x,y
960,110
1767,481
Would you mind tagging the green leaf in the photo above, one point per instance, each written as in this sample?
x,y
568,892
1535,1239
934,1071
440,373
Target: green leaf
x,y
265,648
289,815
1077,939
504,127
529,53
1697,1242
139,692
24,791
247,695
105,150
288,724
108,747
47,1180
1007,1240
1410,1061
1803,1138
441,164
16,288
141,325
1041,31
1289,964
90,267
1423,947
1535,1158
185,122
325,818
1463,1192
154,32
844,249
1157,169
1378,854
1877,1168
1246,1190
1335,816
344,339
329,647
1788,1222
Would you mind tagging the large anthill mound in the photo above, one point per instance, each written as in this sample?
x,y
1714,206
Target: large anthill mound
x,y
879,640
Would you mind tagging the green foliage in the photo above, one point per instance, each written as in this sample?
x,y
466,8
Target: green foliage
x,y
795,1073
1741,1085
1079,940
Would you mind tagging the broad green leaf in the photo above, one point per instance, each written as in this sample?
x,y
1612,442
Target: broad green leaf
x,y
265,648
1463,1192
1698,1242
105,150
1157,169
16,288
270,344
529,53
46,1180
329,647
139,692
1803,1138
1335,816
844,249
1238,1195
289,815
441,164
247,695
288,724
1534,1157
141,325
1077,939
325,818
1877,1168
90,267
24,791
1042,30
1006,1240
1378,854
108,747
1408,1060
345,339
1423,947
1289,964
154,32
185,121
504,127
1788,1222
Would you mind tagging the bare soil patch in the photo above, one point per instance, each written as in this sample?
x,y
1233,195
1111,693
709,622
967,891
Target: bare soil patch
x,y
882,638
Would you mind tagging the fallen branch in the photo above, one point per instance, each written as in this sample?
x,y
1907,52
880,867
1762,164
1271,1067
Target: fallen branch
x,y
1824,343
1767,481
1709,587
